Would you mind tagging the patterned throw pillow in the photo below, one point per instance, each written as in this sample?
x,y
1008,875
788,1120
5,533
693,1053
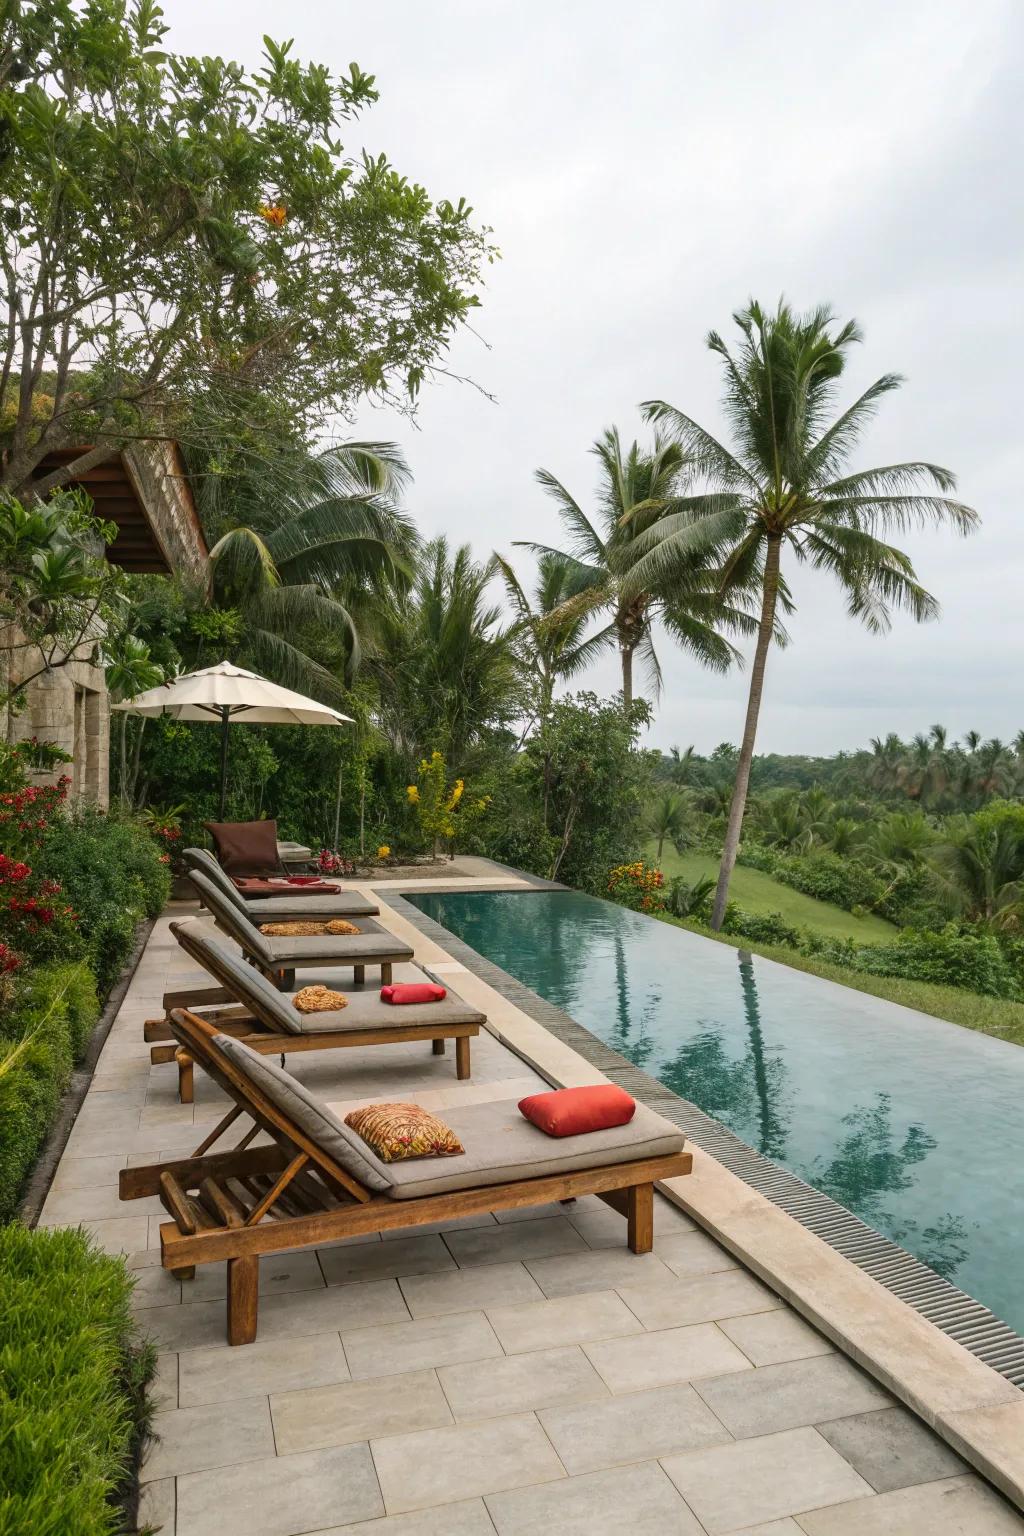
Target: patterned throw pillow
x,y
292,930
318,1000
398,1131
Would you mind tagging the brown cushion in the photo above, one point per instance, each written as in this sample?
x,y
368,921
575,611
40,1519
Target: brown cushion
x,y
318,999
501,1146
400,1131
246,847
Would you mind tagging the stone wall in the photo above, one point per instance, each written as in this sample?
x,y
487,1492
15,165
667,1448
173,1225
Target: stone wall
x,y
70,707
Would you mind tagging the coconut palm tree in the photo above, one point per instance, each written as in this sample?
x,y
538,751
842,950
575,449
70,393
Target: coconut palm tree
x,y
298,572
982,866
549,628
634,490
667,820
787,485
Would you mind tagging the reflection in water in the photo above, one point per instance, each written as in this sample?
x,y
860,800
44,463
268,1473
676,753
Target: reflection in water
x,y
772,1141
867,1165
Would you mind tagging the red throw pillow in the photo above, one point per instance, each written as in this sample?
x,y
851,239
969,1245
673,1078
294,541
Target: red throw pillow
x,y
246,847
413,992
574,1111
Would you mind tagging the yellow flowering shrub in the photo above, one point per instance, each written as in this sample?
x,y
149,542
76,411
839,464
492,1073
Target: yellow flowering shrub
x,y
637,885
441,809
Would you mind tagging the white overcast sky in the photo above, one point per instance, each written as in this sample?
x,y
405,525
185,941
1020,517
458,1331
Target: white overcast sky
x,y
646,167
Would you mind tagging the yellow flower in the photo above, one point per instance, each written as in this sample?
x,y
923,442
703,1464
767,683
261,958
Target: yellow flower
x,y
383,852
456,794
413,794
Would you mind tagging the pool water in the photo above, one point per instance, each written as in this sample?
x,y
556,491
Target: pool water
x,y
914,1124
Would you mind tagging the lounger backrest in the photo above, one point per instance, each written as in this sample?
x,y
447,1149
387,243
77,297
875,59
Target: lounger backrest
x,y
236,923
246,984
282,1105
202,859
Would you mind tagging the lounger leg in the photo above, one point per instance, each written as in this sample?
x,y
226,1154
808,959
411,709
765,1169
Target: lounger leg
x,y
385,973
462,1056
186,1077
359,974
437,1046
640,1217
243,1299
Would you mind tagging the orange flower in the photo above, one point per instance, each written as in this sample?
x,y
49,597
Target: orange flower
x,y
274,213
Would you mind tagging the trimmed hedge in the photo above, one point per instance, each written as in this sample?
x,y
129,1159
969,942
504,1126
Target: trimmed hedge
x,y
72,1406
42,1034
843,882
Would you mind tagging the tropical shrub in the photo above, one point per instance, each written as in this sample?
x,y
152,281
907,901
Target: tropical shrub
x,y
970,958
43,1031
113,873
441,809
843,882
691,900
637,886
761,928
72,1408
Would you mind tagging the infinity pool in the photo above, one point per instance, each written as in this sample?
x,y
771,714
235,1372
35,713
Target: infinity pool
x,y
914,1124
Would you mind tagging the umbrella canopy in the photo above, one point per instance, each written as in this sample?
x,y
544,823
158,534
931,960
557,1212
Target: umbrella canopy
x,y
225,693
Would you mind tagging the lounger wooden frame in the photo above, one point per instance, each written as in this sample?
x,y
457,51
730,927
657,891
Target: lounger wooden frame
x,y
251,1200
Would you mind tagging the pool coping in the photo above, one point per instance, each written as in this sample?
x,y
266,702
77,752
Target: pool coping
x,y
976,1410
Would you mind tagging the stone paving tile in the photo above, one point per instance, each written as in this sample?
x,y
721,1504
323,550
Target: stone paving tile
x,y
427,1341
195,1439
282,1365
768,1338
280,1274
468,1518
157,1506
960,1506
280,1496
155,1287
601,1270
515,1240
567,1320
638,1427
119,1234
381,1261
660,1359
698,1298
785,1527
732,1486
640,1501
315,1417
890,1448
162,1391
787,1396
442,1466
465,1290
694,1253
68,1207
87,1173
483,1389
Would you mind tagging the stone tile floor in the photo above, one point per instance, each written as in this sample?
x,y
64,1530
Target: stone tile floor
x,y
518,1373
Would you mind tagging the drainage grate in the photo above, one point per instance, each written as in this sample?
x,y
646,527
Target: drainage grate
x,y
949,1308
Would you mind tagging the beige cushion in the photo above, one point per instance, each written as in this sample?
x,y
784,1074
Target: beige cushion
x,y
501,1146
313,1118
372,943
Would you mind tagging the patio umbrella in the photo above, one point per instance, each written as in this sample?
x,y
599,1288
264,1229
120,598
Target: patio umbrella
x,y
225,693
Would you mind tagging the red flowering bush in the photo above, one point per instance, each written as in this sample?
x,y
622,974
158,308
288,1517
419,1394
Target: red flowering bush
x,y
36,921
26,813
330,863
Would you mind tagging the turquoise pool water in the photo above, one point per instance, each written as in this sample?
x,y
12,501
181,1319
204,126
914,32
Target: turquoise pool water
x,y
914,1124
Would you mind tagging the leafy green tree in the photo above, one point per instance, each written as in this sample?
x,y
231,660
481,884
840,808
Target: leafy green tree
x,y
634,491
787,485
183,237
981,862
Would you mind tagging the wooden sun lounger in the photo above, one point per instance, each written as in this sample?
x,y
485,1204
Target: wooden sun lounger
x,y
292,905
279,958
267,1020
318,1182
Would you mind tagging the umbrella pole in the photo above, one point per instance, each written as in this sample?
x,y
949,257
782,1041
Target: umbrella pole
x,y
224,723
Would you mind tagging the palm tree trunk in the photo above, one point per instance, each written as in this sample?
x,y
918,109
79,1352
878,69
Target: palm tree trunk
x,y
661,844
738,804
627,678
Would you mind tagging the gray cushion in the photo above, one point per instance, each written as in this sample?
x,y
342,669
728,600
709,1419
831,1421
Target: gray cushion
x,y
366,1011
312,1118
231,920
245,982
371,943
501,1145
269,909
202,860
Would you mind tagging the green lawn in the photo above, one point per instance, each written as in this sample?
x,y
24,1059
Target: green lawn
x,y
757,892
990,1015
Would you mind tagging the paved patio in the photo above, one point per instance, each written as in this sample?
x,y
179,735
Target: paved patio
x,y
513,1374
